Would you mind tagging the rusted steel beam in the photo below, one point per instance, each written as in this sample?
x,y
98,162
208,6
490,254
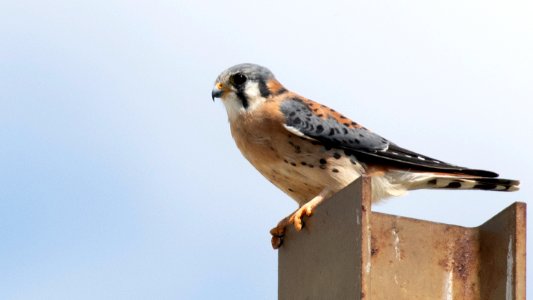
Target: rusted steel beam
x,y
346,251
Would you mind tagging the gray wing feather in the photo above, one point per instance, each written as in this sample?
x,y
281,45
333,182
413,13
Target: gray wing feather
x,y
365,145
300,117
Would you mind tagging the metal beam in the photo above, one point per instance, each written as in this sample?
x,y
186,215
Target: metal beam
x,y
346,251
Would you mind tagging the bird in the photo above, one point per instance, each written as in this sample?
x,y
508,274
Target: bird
x,y
311,151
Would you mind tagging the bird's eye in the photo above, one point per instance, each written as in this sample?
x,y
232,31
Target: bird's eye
x,y
238,79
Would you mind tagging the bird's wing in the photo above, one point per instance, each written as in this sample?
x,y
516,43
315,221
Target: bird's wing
x,y
314,121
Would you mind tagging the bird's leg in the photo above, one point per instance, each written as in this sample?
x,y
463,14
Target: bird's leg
x,y
295,218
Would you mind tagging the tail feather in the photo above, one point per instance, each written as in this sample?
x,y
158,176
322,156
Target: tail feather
x,y
396,183
473,183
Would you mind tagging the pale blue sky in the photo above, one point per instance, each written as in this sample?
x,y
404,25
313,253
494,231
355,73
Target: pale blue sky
x,y
118,175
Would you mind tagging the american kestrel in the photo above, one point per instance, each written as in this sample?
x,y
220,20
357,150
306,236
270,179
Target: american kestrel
x,y
311,151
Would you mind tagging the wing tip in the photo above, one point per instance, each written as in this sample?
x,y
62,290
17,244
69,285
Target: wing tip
x,y
481,173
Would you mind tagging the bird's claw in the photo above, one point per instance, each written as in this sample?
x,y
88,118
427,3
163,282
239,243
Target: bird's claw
x,y
296,218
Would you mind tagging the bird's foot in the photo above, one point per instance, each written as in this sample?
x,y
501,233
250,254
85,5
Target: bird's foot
x,y
296,218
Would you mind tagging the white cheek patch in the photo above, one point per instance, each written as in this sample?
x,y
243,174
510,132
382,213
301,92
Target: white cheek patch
x,y
253,96
233,106
252,90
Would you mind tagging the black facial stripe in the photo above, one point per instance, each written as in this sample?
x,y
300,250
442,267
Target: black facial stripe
x,y
263,89
242,97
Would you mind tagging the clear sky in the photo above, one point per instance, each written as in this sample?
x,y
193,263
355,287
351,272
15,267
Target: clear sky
x,y
118,175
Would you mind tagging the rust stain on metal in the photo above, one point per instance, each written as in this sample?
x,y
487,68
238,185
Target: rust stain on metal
x,y
464,256
374,249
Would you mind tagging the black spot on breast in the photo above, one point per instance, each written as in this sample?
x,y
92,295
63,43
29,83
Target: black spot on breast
x,y
293,164
334,170
327,147
290,190
345,130
311,166
297,121
353,161
292,114
357,141
323,167
323,161
303,163
319,129
285,161
336,155
331,131
361,135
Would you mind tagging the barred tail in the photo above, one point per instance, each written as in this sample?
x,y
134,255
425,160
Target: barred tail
x,y
473,183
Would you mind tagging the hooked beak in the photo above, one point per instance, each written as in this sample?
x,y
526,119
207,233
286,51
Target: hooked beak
x,y
217,91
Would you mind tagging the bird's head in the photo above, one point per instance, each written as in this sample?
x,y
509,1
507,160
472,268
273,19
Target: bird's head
x,y
245,87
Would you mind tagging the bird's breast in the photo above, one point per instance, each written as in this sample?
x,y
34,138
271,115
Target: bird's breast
x,y
299,167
